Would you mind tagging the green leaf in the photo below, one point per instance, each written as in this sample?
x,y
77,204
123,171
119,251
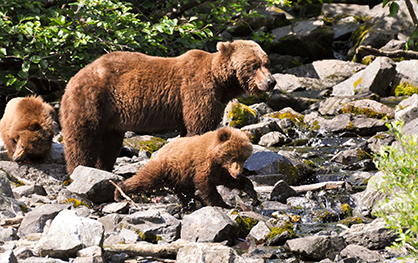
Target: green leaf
x,y
393,9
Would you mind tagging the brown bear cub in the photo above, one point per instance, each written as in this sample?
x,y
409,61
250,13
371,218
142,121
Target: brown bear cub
x,y
197,163
129,91
27,129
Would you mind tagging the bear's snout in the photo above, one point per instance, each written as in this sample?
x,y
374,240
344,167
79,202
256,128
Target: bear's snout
x,y
266,81
271,83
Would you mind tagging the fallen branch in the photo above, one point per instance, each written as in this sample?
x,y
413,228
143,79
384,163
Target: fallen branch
x,y
145,249
124,195
15,221
363,51
320,186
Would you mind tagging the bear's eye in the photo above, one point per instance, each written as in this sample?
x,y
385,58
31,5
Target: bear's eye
x,y
234,160
14,141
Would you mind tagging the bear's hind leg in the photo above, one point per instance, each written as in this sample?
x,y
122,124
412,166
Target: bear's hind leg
x,y
110,146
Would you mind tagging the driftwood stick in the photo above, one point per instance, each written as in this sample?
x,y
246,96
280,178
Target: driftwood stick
x,y
320,186
145,249
15,221
363,51
124,195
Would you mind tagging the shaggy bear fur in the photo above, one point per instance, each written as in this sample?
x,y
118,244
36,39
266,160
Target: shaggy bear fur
x,y
128,91
197,163
26,129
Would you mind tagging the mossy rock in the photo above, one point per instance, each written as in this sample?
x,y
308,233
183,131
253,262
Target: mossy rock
x,y
245,224
287,113
253,99
349,221
147,143
326,216
369,108
347,210
238,115
405,89
275,231
76,203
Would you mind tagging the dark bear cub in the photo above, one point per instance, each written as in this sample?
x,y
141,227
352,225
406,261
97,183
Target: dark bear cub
x,y
197,163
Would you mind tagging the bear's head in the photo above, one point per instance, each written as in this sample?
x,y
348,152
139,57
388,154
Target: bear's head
x,y
32,144
233,149
249,63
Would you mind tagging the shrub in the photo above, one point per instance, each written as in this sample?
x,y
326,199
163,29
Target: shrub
x,y
400,184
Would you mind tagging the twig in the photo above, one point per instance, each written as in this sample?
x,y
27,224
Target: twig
x,y
363,51
15,221
125,196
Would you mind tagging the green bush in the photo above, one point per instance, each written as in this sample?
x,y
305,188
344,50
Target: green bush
x,y
52,40
400,184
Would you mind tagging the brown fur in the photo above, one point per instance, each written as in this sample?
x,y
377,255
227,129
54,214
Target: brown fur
x,y
26,129
124,91
197,163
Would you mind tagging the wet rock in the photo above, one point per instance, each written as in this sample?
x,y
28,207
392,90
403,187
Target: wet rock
x,y
279,101
68,234
259,232
359,178
29,190
361,253
369,108
375,78
351,156
407,110
310,38
316,247
35,220
210,253
292,83
8,257
238,115
356,124
93,184
260,129
375,235
281,192
273,138
208,224
332,105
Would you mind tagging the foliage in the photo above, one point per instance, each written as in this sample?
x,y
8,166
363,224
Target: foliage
x,y
400,184
52,40
405,89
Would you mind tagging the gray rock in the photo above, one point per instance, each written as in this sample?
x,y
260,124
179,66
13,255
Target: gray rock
x,y
9,207
281,192
266,162
411,128
8,234
211,253
309,38
8,257
375,235
267,179
375,78
208,224
375,143
279,101
42,260
261,108
29,190
291,83
259,232
93,184
129,236
110,222
34,221
370,108
23,253
70,233
335,9
407,71
407,110
273,138
121,208
94,252
332,105
5,188
366,200
316,247
351,156
260,129
361,253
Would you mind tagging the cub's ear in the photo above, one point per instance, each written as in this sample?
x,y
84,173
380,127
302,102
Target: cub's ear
x,y
51,112
224,134
248,134
34,126
225,48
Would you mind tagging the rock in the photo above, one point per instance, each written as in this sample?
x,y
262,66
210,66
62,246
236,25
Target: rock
x,y
335,9
366,200
292,83
8,257
369,108
93,184
375,235
121,208
411,127
259,232
261,109
208,224
273,138
279,101
35,220
210,253
68,234
375,143
281,192
238,115
407,110
351,156
8,234
148,143
361,253
9,207
29,190
92,254
309,38
23,253
332,105
110,222
42,260
407,71
50,175
316,247
260,129
5,188
267,179
375,78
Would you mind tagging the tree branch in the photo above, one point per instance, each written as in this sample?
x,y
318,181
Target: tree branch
x,y
363,51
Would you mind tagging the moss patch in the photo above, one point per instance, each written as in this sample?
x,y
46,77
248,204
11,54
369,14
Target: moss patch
x,y
16,182
295,118
240,115
76,202
148,143
351,221
245,225
347,210
405,89
253,99
288,226
356,83
349,108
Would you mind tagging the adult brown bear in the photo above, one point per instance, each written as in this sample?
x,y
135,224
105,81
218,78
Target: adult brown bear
x,y
124,91
197,163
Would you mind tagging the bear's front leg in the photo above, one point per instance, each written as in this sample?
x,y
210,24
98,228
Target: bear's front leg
x,y
207,191
242,183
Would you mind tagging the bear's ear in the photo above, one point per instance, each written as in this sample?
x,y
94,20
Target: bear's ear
x,y
248,134
34,126
225,48
224,134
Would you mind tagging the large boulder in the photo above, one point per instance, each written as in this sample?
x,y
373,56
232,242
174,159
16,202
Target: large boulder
x,y
407,109
316,247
